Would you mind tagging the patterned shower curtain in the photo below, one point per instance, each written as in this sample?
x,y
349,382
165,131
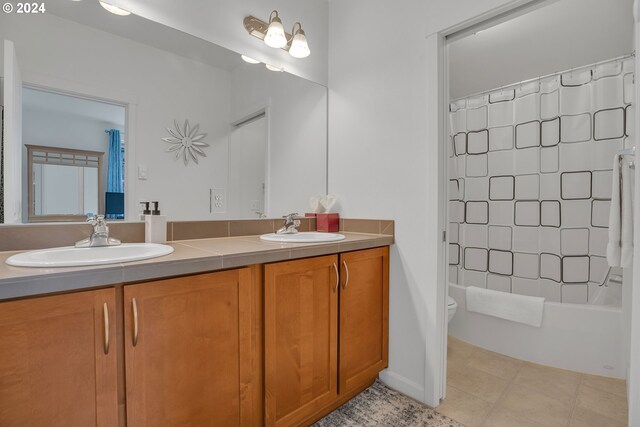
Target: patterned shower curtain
x,y
530,169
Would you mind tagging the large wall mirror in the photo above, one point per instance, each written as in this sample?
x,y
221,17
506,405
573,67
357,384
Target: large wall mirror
x,y
185,122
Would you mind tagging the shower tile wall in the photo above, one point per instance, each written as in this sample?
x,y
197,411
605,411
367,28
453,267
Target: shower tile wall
x,y
530,172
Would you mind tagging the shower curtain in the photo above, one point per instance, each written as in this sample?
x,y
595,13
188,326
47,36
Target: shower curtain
x,y
530,181
115,181
115,172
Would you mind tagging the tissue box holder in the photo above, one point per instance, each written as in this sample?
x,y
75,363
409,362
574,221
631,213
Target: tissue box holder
x,y
328,222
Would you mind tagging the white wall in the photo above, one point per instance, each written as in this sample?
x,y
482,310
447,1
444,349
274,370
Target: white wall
x,y
297,127
559,36
220,22
164,87
382,164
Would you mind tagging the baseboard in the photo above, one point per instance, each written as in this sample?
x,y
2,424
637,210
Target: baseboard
x,y
402,384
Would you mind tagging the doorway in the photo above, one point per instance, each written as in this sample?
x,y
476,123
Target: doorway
x,y
513,81
247,168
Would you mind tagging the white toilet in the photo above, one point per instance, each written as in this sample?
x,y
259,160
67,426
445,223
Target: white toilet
x,y
452,306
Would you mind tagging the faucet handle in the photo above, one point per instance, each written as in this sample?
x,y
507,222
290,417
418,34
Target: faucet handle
x,y
290,216
94,219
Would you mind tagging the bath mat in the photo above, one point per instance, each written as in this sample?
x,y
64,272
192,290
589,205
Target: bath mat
x,y
380,406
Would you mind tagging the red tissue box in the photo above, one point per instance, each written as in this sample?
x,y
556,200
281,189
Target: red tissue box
x,y
328,222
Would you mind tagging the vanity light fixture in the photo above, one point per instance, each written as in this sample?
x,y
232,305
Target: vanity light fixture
x,y
112,7
275,32
273,35
299,46
249,59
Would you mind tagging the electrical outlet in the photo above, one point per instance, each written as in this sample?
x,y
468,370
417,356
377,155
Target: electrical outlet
x,y
218,200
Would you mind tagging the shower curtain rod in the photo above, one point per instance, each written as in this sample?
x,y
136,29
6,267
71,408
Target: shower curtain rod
x,y
484,92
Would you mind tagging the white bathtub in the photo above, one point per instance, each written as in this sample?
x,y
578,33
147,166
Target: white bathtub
x,y
580,337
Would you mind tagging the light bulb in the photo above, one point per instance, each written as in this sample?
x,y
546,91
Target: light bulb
x,y
114,9
275,33
249,59
299,47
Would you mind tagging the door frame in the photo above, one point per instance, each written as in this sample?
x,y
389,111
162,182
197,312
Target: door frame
x,y
247,115
633,376
437,119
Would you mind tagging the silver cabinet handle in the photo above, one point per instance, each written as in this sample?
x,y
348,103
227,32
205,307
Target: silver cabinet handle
x,y
346,270
134,307
105,313
335,267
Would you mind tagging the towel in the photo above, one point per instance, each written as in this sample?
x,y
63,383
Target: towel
x,y
517,308
614,246
620,246
626,233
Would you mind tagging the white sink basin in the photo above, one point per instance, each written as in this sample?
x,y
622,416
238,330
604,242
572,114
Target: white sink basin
x,y
303,237
70,256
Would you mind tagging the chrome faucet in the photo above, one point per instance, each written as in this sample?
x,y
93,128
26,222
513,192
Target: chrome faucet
x,y
100,235
290,224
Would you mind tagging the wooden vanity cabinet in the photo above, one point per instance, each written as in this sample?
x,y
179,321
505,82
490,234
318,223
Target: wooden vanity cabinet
x,y
364,316
301,338
192,350
58,364
281,344
317,355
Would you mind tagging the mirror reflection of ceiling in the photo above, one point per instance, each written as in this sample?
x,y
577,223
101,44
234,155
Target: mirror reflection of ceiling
x,y
142,30
63,105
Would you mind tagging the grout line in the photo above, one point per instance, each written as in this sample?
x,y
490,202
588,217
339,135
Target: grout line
x,y
501,398
574,400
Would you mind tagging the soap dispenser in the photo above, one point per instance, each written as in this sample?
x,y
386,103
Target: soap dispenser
x,y
155,226
145,211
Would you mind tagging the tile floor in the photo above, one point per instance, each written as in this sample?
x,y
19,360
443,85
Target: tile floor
x,y
489,389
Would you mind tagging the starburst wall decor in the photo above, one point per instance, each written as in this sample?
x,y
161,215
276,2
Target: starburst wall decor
x,y
186,142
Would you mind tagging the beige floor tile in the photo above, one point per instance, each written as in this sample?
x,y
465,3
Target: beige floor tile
x,y
558,383
611,385
585,418
502,418
459,350
464,408
496,364
477,383
524,402
602,402
455,364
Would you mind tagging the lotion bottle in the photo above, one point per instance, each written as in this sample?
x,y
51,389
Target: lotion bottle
x,y
155,226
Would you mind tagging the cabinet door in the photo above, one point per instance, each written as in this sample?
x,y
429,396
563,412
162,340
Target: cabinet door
x,y
364,316
190,351
58,362
300,338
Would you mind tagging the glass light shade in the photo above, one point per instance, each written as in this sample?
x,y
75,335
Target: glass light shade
x,y
299,47
249,59
273,67
275,34
114,9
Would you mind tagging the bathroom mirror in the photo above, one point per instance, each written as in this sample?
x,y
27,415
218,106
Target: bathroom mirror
x,y
265,132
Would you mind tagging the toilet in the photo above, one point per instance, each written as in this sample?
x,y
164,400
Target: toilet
x,y
452,306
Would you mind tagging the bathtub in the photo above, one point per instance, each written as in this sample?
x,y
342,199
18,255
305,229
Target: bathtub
x,y
580,337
